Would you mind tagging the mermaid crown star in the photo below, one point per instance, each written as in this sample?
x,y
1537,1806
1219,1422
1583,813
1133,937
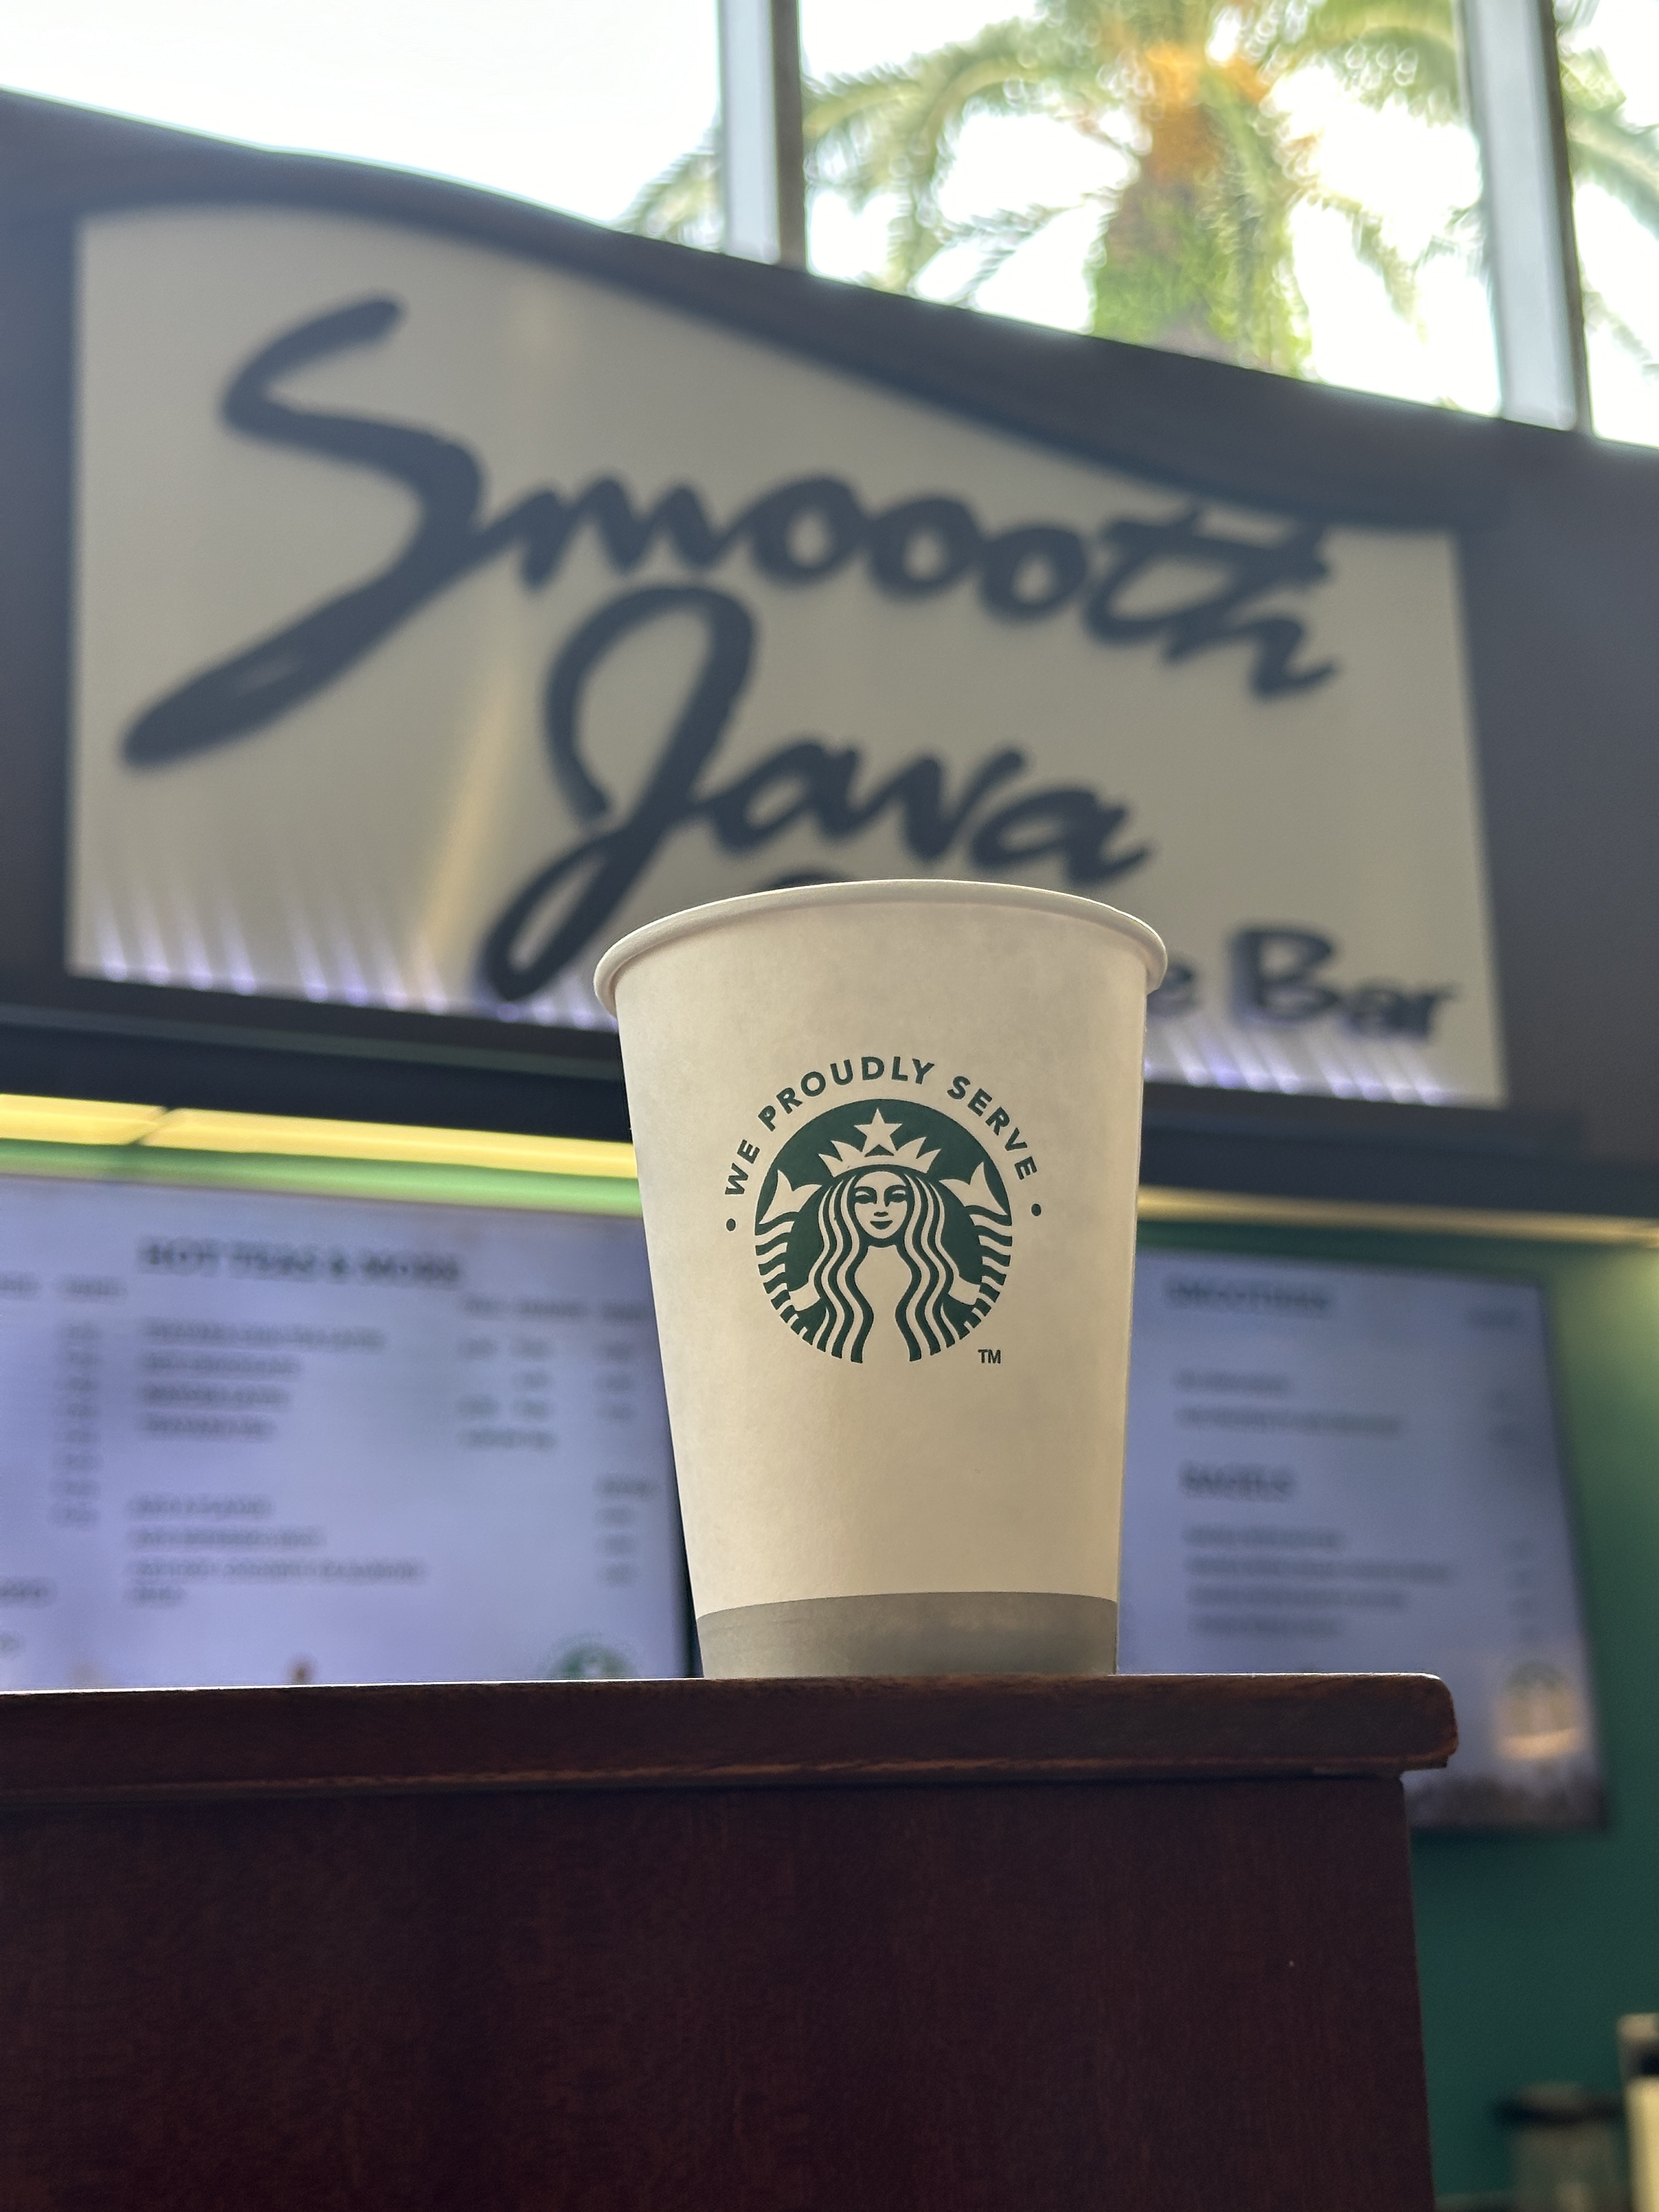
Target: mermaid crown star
x,y
879,1148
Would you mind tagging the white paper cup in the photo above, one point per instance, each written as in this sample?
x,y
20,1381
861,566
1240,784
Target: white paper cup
x,y
888,1139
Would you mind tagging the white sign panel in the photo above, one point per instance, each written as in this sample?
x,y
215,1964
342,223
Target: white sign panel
x,y
260,1438
440,615
1356,1468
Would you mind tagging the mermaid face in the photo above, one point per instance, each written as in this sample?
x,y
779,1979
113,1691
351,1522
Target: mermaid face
x,y
880,1206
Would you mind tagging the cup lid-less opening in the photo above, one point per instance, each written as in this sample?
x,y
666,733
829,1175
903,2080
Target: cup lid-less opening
x,y
904,891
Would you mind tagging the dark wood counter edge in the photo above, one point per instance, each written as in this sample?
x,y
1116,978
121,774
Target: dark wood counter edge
x,y
103,1746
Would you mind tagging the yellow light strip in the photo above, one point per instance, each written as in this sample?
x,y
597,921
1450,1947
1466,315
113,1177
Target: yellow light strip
x,y
74,1120
1216,1208
192,1129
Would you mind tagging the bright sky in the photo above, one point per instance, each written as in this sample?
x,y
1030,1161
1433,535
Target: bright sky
x,y
578,105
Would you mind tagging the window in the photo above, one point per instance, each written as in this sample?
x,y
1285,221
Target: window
x,y
1291,186
521,96
1610,95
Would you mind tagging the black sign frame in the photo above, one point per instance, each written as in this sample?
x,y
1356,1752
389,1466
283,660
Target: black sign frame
x,y
1558,549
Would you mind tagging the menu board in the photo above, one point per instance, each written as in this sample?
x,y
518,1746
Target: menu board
x,y
256,1436
1337,1468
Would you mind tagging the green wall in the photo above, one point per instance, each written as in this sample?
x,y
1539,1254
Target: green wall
x,y
1529,1947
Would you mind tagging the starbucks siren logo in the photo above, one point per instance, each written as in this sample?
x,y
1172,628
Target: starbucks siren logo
x,y
883,1230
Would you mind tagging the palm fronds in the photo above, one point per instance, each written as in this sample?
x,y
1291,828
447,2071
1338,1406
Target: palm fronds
x,y
1201,172
684,202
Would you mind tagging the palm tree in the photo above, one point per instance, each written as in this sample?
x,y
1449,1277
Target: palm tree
x,y
1202,171
1608,150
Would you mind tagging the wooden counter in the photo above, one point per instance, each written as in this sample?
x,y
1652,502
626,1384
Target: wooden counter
x,y
1139,1943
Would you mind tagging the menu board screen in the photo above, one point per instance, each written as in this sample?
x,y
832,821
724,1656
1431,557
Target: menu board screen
x,y
254,1436
1350,1468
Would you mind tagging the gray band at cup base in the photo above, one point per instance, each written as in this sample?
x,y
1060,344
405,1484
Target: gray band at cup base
x,y
915,1632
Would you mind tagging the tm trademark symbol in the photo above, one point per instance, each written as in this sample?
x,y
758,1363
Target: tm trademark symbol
x,y
989,1359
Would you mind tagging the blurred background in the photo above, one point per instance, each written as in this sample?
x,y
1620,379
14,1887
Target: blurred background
x,y
1324,188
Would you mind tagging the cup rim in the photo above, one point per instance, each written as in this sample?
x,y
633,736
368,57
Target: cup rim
x,y
902,890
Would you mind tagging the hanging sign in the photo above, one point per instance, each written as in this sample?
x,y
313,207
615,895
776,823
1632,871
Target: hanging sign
x,y
440,615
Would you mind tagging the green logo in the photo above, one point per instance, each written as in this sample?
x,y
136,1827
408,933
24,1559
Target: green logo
x,y
883,1230
587,1660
